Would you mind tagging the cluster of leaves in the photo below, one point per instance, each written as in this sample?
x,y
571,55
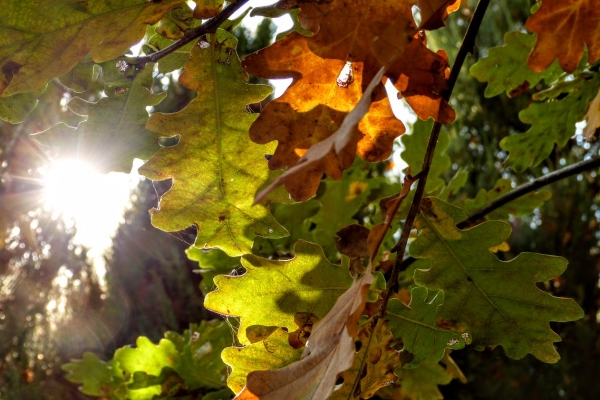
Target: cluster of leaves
x,y
310,314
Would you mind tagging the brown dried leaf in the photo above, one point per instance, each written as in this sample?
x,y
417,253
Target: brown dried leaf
x,y
336,153
563,28
329,351
352,241
330,71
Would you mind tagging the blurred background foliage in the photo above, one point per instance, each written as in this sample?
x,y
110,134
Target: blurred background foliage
x,y
53,307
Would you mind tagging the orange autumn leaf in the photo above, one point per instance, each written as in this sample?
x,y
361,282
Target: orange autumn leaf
x,y
330,73
563,28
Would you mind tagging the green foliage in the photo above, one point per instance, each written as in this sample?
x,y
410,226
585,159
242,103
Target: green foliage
x,y
505,68
553,122
178,363
271,293
38,46
292,307
514,314
423,340
273,352
211,140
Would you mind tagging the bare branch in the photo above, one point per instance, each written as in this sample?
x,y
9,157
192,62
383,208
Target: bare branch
x,y
209,26
465,48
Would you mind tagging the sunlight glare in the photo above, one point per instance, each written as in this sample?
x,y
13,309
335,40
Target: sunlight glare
x,y
94,203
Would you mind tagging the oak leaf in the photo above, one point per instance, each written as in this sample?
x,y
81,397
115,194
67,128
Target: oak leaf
x,y
271,353
214,165
516,314
329,80
505,69
38,46
329,351
271,293
423,340
563,28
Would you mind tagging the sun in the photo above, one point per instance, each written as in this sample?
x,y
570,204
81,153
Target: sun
x,y
93,202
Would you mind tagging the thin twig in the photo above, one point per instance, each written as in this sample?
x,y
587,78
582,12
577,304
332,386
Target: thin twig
x,y
466,47
209,26
522,190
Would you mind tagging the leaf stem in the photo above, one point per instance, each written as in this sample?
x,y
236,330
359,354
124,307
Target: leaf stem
x,y
209,26
466,47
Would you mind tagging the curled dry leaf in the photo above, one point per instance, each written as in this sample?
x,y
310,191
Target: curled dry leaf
x,y
329,351
563,28
332,156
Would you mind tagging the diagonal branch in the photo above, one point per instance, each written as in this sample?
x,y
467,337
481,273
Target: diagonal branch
x,y
209,26
522,190
465,48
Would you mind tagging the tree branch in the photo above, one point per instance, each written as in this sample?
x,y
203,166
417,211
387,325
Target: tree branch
x,y
522,190
465,48
209,26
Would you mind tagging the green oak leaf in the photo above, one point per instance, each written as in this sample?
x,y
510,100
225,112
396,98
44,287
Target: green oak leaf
x,y
80,77
16,108
524,205
44,39
114,132
496,301
212,262
99,378
552,121
176,22
147,357
215,167
271,293
415,145
200,347
505,68
273,352
423,340
422,383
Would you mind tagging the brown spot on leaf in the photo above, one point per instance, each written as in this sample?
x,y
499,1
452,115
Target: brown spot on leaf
x,y
522,88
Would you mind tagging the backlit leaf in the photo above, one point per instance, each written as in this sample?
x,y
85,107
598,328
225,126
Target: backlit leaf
x,y
553,121
514,314
271,293
422,383
423,340
271,353
563,28
505,68
328,82
37,46
99,378
215,168
329,351
16,108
